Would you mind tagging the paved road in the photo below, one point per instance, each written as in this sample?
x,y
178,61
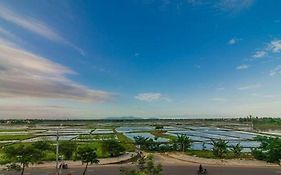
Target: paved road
x,y
168,170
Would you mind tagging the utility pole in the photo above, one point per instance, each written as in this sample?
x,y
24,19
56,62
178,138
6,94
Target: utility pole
x,y
57,152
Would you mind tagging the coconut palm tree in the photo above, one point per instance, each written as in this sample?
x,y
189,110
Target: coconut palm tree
x,y
183,141
219,147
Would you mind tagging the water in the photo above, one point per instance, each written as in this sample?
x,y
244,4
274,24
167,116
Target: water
x,y
51,138
123,129
102,131
146,135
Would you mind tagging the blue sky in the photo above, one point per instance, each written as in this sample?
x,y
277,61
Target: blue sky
x,y
148,58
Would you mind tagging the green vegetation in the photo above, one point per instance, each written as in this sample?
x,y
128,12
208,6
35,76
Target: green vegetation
x,y
113,147
237,150
265,124
97,137
19,157
161,133
87,155
219,147
146,166
182,143
14,137
269,150
67,149
210,155
126,142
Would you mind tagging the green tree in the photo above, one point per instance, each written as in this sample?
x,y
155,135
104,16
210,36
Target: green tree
x,y
42,145
67,148
21,156
113,147
269,150
148,169
141,141
87,155
182,142
237,149
219,147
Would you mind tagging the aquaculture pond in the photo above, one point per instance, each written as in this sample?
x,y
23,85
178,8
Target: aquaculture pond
x,y
205,135
102,131
51,138
146,135
124,129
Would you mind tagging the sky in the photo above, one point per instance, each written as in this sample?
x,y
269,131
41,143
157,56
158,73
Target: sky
x,y
145,58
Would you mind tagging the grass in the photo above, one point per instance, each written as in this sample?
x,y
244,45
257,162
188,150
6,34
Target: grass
x,y
13,130
14,137
161,133
209,155
126,142
265,124
97,137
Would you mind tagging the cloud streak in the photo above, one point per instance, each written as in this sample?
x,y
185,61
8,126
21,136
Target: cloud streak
x,y
24,74
36,26
242,67
276,71
249,87
151,96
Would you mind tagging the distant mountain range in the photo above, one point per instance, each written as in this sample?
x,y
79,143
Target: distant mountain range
x,y
124,118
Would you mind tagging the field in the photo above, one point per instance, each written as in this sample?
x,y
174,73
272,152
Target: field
x,y
94,133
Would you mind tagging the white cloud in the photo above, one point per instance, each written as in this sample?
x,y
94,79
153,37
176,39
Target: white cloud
x,y
276,71
248,87
232,41
259,54
151,96
275,46
242,66
36,26
24,74
234,5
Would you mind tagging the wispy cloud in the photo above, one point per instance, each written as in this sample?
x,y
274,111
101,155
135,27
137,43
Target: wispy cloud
x,y
36,26
151,96
263,95
274,46
234,5
259,54
24,74
249,87
276,71
232,41
242,66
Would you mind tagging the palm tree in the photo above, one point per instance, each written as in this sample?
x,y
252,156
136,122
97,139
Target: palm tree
x,y
87,155
183,141
219,147
141,141
237,149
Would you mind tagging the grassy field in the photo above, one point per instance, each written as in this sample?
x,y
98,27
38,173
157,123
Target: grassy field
x,y
160,133
97,136
14,137
126,142
267,124
209,154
